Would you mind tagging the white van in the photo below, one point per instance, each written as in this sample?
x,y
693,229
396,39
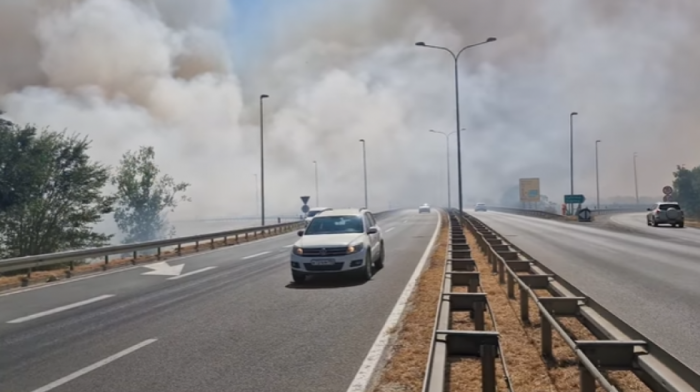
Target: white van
x,y
313,212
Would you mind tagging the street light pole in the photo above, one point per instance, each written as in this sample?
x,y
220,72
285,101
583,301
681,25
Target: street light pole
x,y
256,193
262,164
364,164
571,152
597,182
458,126
636,188
316,175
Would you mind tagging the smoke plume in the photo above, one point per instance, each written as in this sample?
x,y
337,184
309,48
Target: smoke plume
x,y
168,74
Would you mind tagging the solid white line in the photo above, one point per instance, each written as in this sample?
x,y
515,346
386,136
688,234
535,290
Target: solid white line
x,y
255,255
389,229
377,354
60,309
192,273
94,366
289,246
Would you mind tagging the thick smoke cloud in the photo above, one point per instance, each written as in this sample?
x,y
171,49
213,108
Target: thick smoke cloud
x,y
129,73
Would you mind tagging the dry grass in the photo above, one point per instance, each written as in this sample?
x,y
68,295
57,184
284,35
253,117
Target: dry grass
x,y
406,367
692,223
10,282
529,371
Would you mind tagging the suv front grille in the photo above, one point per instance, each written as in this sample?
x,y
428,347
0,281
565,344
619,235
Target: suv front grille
x,y
332,267
323,252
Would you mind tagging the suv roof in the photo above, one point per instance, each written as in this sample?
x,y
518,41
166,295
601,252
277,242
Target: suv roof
x,y
344,211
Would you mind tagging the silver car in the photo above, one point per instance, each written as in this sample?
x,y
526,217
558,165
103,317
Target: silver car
x,y
424,208
669,213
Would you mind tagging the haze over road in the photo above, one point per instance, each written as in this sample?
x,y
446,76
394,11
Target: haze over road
x,y
237,325
648,281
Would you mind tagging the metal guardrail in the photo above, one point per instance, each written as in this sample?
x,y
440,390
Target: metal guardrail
x,y
552,215
619,347
461,270
30,262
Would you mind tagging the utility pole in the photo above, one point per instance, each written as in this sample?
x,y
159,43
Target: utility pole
x,y
316,175
364,164
571,153
636,187
262,164
597,181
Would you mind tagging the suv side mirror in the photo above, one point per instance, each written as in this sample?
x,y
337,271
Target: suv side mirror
x,y
648,209
372,230
300,233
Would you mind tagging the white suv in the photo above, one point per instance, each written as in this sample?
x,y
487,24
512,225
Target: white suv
x,y
338,241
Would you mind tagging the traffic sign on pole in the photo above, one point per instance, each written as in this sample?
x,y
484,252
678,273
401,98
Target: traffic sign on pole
x,y
305,199
667,190
305,208
574,199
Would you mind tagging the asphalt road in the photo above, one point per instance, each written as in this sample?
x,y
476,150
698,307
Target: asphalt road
x,y
648,281
637,222
240,325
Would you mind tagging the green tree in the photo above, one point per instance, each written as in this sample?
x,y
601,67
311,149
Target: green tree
x,y
50,192
686,188
144,198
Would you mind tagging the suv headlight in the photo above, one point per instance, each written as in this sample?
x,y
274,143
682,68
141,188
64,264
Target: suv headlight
x,y
354,248
297,250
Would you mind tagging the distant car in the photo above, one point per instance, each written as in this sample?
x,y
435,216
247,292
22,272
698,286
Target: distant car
x,y
424,208
338,241
313,212
480,207
666,213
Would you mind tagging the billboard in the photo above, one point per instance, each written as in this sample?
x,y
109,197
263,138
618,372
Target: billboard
x,y
530,190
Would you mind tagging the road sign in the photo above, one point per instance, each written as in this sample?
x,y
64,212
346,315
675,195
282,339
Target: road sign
x,y
305,208
574,199
529,190
668,190
584,215
668,198
305,199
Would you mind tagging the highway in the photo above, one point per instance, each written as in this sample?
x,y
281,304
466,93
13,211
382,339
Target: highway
x,y
648,281
231,321
637,223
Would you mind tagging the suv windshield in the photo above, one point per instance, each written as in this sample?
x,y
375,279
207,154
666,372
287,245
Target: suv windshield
x,y
335,225
664,207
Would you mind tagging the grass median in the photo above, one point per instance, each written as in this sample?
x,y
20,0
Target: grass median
x,y
405,368
63,272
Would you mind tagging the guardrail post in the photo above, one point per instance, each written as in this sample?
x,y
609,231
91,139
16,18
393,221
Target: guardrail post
x,y
225,240
211,243
133,259
501,269
524,308
478,316
196,246
488,368
246,236
546,327
511,287
179,249
586,380
106,264
71,266
158,254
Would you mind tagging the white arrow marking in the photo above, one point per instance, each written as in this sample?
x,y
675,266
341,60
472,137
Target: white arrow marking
x,y
192,273
164,269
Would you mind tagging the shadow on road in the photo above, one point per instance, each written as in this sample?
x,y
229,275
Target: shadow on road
x,y
329,281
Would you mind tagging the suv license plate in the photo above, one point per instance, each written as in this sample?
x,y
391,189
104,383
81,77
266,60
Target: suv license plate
x,y
323,262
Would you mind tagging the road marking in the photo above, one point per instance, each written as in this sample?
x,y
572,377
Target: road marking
x,y
389,229
289,246
192,273
94,366
60,309
255,255
377,354
164,269
120,270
